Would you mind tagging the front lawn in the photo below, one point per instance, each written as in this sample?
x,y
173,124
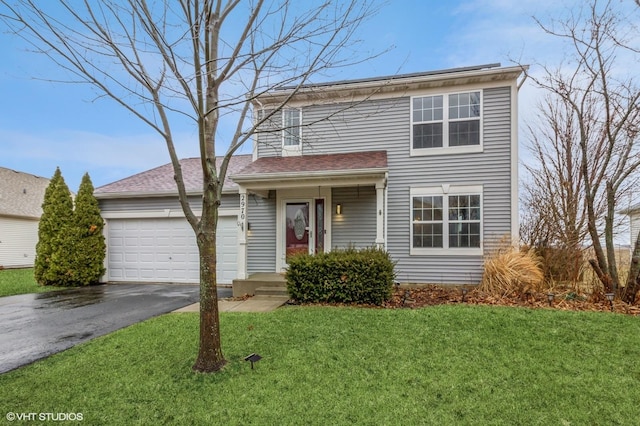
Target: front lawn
x,y
453,364
20,281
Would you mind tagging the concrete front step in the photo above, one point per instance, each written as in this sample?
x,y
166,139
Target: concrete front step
x,y
242,287
271,291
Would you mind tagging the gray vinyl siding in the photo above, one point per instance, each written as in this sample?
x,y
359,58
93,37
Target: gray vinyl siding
x,y
356,227
261,240
366,126
270,140
109,205
385,125
491,169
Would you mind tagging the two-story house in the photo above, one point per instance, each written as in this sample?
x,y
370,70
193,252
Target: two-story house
x,y
423,165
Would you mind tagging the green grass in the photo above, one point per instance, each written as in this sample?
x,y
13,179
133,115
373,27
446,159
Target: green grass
x,y
441,365
20,281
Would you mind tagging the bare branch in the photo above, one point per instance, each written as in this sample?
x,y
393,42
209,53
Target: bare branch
x,y
602,99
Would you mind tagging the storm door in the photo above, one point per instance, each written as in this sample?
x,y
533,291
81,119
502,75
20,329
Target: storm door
x,y
297,229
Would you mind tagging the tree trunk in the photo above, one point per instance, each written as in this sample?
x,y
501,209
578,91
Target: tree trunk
x,y
605,279
608,238
633,279
210,356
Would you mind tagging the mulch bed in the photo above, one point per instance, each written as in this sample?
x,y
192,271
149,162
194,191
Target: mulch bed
x,y
568,300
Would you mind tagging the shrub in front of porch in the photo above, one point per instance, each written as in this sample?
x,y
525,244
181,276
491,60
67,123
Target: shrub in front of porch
x,y
342,276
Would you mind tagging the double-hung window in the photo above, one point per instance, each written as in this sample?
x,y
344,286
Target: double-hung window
x,y
446,220
291,131
447,123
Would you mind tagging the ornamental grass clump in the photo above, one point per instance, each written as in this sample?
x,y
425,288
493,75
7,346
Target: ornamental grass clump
x,y
509,270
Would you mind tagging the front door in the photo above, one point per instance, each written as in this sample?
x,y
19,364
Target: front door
x,y
304,227
297,229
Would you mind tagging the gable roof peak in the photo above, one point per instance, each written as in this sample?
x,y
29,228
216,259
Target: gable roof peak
x,y
21,194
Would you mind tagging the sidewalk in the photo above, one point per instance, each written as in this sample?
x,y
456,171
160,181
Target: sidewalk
x,y
253,304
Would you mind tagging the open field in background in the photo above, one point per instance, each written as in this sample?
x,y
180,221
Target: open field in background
x,y
444,365
589,279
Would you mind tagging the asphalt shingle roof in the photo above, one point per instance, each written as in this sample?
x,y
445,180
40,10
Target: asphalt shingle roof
x,y
160,179
316,163
21,194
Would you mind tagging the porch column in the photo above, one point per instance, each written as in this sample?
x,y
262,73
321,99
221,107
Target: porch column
x,y
380,213
242,234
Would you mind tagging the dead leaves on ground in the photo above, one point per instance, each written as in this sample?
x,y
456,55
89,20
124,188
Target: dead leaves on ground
x,y
417,297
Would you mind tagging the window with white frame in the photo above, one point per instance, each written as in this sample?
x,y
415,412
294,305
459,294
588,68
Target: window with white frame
x,y
441,122
446,220
291,127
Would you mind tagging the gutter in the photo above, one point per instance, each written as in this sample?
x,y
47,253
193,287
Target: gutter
x,y
17,216
391,83
153,194
328,174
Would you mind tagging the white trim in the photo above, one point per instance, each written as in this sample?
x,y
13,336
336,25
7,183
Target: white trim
x,y
444,191
380,215
446,149
291,150
303,181
386,209
302,195
385,88
155,194
143,214
464,149
105,263
252,181
242,235
634,228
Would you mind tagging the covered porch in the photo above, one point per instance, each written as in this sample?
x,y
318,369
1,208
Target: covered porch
x,y
311,204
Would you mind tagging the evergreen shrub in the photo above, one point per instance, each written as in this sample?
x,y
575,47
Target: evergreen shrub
x,y
71,248
57,212
342,276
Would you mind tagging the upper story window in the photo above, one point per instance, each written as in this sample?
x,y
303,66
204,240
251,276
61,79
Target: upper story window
x,y
291,130
446,123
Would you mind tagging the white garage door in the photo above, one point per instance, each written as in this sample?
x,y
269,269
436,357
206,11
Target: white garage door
x,y
165,250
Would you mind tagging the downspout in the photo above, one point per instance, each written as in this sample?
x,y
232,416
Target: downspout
x,y
255,139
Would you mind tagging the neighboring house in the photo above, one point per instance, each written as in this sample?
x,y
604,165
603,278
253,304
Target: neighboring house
x,y
21,198
423,165
634,222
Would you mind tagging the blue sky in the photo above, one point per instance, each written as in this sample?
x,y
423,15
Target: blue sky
x,y
44,125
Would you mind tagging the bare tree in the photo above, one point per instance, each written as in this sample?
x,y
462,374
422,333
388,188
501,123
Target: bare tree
x,y
556,218
554,192
603,99
196,60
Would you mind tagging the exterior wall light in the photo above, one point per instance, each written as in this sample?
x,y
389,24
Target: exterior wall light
x,y
338,209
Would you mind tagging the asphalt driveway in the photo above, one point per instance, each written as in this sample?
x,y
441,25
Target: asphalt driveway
x,y
34,326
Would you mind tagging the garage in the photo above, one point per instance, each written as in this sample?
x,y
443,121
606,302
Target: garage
x,y
165,250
